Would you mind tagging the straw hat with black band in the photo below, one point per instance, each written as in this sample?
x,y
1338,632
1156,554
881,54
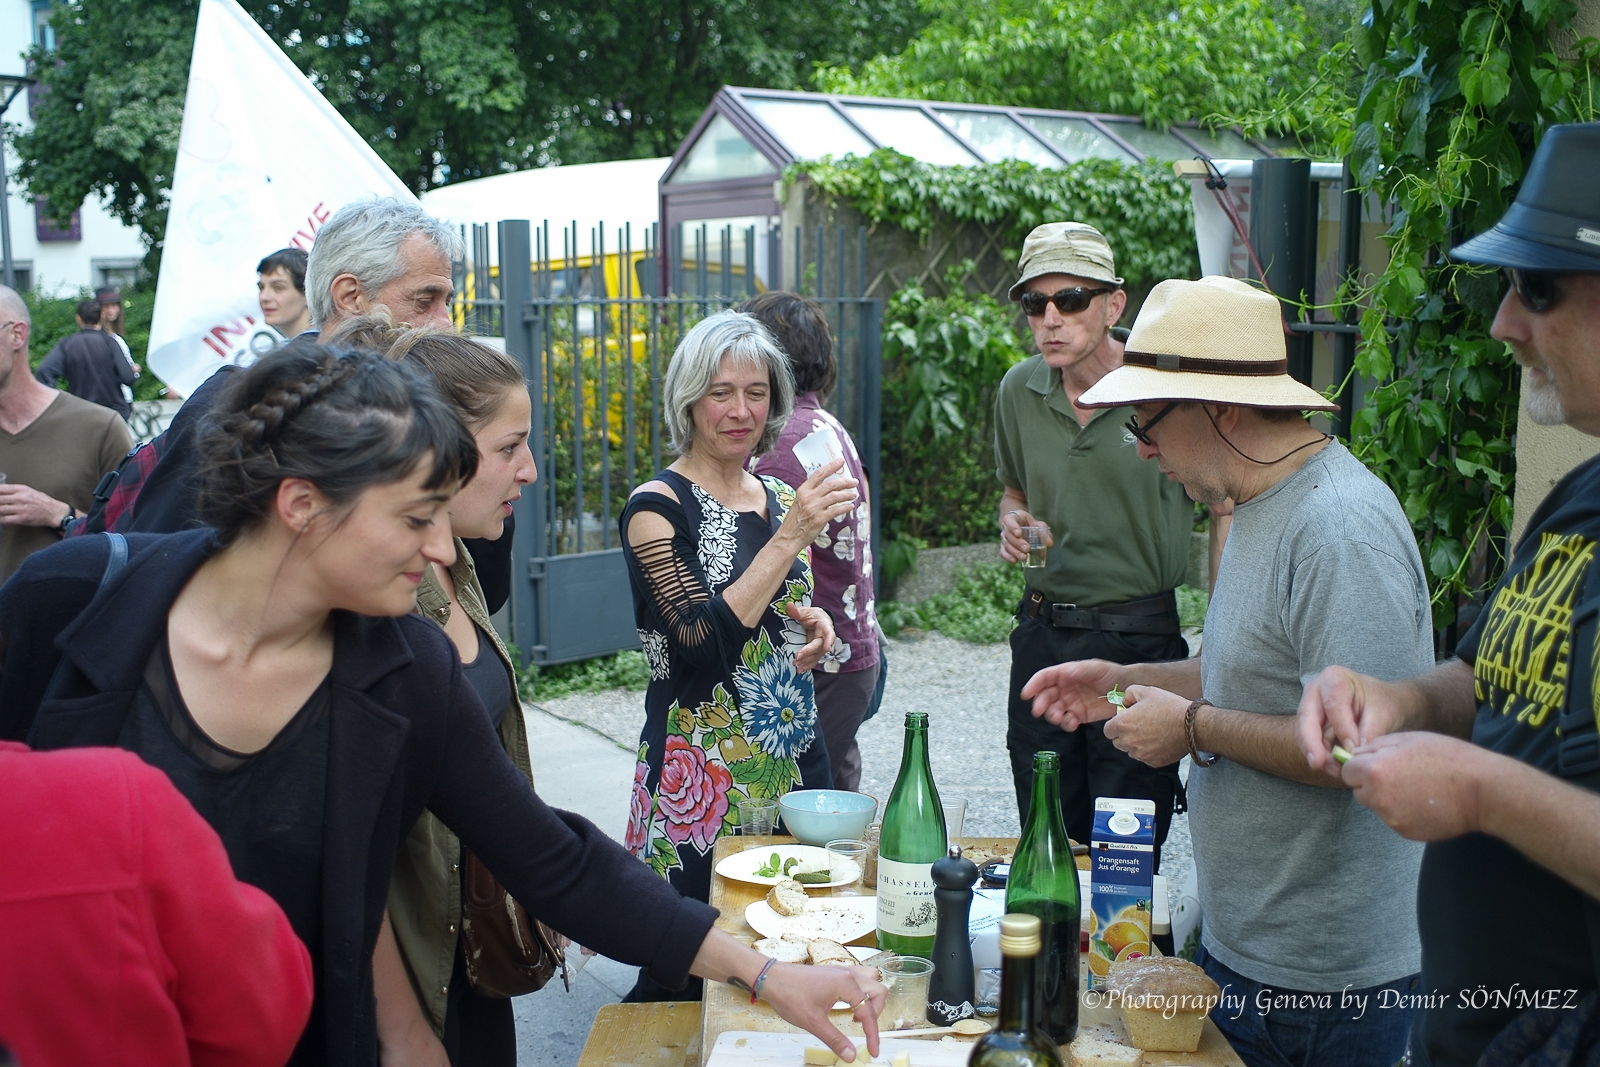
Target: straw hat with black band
x,y
1213,341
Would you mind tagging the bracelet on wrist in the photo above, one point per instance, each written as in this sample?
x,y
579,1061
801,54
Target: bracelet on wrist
x,y
755,989
1188,729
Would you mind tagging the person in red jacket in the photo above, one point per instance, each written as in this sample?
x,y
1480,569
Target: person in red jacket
x,y
124,936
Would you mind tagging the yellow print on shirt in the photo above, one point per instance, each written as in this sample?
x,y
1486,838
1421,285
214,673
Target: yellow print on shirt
x,y
1523,653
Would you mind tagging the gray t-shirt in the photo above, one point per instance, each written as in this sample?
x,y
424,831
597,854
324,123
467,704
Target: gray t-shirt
x,y
1301,887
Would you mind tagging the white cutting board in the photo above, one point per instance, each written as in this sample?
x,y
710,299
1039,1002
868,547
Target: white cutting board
x,y
747,1048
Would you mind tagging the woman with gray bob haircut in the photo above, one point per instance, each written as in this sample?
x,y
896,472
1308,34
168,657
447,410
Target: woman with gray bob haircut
x,y
722,598
728,335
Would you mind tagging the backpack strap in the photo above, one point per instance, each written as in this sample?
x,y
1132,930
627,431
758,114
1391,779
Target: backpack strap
x,y
116,559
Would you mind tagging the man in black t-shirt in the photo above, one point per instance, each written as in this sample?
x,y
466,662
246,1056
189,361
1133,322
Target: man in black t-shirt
x,y
1493,757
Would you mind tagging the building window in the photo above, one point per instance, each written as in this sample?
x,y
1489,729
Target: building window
x,y
117,273
47,229
43,36
22,272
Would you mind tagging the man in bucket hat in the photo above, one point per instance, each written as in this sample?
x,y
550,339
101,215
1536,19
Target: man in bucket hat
x,y
1493,757
1304,893
1121,533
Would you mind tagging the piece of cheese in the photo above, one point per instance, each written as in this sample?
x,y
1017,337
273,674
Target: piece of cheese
x,y
820,1057
901,1059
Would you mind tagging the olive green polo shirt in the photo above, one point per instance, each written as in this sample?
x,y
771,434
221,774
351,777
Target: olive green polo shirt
x,y
1121,528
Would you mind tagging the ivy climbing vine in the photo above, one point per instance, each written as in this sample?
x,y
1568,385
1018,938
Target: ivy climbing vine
x,y
1455,96
1144,208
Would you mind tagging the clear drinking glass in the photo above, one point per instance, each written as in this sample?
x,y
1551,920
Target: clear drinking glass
x,y
1037,535
869,869
907,1005
955,813
847,859
756,818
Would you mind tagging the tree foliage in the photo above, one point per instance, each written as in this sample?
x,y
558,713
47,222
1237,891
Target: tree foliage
x,y
1166,60
443,92
1456,95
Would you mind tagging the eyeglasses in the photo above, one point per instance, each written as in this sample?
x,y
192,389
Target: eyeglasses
x,y
1535,288
1142,433
1067,301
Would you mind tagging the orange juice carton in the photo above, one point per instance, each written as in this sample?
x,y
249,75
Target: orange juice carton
x,y
1121,879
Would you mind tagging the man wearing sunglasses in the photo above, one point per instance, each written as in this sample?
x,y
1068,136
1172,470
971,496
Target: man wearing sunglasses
x,y
1302,890
1119,534
1493,757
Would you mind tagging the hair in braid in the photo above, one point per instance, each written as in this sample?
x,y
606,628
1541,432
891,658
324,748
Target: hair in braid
x,y
341,419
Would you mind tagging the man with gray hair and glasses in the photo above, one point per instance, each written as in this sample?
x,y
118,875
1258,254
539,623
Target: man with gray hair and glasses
x,y
378,252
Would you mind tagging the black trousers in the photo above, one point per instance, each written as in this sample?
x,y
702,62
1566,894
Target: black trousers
x,y
1091,766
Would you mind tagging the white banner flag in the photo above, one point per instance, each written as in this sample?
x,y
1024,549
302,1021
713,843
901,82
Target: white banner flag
x,y
263,161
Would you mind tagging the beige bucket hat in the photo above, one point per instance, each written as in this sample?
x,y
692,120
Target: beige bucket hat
x,y
1214,341
1074,248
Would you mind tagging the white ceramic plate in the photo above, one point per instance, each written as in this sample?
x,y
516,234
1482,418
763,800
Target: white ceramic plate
x,y
741,866
841,919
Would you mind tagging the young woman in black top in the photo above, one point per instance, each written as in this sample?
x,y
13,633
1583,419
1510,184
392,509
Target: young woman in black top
x,y
273,665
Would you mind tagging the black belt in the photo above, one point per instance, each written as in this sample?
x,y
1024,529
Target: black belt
x,y
1153,615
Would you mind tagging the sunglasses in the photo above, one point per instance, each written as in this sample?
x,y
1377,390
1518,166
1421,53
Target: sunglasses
x,y
1535,288
1142,433
1067,301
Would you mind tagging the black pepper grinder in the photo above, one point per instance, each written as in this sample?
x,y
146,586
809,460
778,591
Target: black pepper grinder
x,y
950,988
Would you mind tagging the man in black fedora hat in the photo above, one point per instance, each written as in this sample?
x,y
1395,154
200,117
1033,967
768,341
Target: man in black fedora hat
x,y
1493,757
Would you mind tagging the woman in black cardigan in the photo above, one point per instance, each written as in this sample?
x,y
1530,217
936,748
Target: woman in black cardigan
x,y
273,668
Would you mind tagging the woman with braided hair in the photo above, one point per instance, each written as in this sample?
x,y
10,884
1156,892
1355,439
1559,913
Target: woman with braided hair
x,y
273,666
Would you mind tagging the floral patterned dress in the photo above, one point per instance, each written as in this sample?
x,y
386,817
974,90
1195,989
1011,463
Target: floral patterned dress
x,y
727,716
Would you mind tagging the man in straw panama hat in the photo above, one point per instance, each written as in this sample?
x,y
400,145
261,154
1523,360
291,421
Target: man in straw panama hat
x,y
1492,757
1120,534
1301,888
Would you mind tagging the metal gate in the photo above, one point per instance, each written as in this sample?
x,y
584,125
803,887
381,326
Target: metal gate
x,y
595,339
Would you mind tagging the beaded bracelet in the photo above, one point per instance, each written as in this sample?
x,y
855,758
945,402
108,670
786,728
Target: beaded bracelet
x,y
755,990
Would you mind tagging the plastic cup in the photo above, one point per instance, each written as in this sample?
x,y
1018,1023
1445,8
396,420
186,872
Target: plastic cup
x,y
1037,535
847,858
756,818
906,1007
955,814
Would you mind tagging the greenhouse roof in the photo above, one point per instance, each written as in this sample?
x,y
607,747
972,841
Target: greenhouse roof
x,y
754,133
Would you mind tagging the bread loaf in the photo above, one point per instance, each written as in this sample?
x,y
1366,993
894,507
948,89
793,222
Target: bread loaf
x,y
1096,1052
1164,1001
821,951
788,897
785,949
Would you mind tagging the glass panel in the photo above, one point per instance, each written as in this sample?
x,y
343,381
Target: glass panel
x,y
1152,144
1076,138
721,153
1222,144
909,131
810,129
997,137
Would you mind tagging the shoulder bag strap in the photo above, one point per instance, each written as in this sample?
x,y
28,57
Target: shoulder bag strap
x,y
116,559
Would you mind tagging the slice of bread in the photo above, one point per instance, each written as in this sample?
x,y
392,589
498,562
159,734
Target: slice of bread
x,y
788,897
821,951
785,949
1096,1052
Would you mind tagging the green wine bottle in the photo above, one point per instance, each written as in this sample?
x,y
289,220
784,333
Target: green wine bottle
x,y
1044,882
1018,1040
911,839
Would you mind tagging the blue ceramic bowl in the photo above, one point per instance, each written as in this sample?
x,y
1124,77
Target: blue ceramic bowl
x,y
817,816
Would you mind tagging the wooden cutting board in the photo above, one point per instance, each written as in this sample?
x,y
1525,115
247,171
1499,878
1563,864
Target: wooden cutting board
x,y
753,1048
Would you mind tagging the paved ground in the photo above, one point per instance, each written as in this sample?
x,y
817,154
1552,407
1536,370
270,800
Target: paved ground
x,y
583,760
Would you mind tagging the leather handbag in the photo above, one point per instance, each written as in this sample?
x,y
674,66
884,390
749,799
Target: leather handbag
x,y
508,953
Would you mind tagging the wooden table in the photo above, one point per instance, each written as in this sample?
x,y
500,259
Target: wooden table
x,y
664,1034
726,1008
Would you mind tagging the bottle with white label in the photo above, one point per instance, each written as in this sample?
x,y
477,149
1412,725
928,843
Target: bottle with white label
x,y
911,839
